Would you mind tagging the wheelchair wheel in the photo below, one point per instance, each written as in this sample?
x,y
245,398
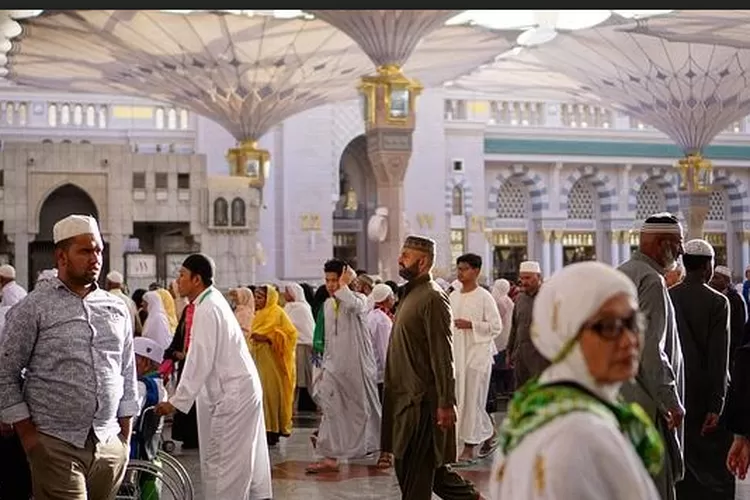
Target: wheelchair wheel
x,y
168,446
153,481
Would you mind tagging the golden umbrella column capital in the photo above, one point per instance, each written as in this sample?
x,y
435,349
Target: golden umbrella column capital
x,y
696,173
248,160
389,98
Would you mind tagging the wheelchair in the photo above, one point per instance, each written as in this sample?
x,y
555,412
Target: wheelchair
x,y
153,474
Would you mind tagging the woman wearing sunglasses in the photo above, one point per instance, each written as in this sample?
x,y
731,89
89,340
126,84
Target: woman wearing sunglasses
x,y
567,435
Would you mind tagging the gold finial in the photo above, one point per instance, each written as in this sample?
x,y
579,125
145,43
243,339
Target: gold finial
x,y
351,200
539,478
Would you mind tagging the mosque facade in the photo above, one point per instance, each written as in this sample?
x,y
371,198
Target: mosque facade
x,y
509,180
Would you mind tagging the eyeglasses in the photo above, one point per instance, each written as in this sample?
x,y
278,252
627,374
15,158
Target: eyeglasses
x,y
613,328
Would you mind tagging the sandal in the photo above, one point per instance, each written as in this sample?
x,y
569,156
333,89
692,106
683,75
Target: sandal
x,y
321,467
314,439
488,448
385,461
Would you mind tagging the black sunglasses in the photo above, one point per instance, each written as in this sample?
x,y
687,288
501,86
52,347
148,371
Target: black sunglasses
x,y
613,328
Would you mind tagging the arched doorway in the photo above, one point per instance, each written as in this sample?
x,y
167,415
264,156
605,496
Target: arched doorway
x,y
63,201
357,203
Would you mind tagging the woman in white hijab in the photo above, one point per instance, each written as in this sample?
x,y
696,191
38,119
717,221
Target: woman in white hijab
x,y
505,305
300,314
567,436
156,326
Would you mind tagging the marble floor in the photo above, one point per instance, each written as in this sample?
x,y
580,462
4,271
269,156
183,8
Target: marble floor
x,y
360,479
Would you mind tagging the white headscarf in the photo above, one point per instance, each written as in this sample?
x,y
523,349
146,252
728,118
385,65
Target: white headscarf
x,y
505,306
559,315
300,314
156,327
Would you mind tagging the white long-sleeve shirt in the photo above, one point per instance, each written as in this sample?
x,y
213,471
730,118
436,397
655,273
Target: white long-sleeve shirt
x,y
379,325
12,293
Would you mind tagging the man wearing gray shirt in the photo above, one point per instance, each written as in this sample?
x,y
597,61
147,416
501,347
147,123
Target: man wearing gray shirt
x,y
73,411
659,386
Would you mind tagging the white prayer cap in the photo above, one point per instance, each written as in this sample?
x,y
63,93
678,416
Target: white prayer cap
x,y
75,225
558,315
380,292
7,271
116,277
724,271
530,266
699,248
662,223
148,349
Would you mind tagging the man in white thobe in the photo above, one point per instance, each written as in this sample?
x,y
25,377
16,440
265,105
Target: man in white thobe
x,y
476,324
11,291
220,376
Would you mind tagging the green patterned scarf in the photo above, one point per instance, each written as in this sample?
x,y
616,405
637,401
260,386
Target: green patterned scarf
x,y
534,405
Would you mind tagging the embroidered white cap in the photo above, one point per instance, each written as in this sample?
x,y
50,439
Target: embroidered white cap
x,y
8,272
699,248
380,292
148,349
530,266
724,271
75,225
116,277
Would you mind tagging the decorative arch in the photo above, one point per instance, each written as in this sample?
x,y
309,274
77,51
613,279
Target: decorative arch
x,y
59,202
459,182
736,191
532,181
221,212
667,182
238,212
601,182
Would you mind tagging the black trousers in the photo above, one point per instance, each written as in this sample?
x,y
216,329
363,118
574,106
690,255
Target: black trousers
x,y
416,472
185,428
15,476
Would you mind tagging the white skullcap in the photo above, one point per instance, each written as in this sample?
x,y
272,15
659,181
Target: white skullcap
x,y
724,271
148,349
558,315
116,277
380,292
46,275
7,271
530,266
699,248
75,225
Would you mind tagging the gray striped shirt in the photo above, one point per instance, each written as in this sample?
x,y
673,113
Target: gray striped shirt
x,y
78,356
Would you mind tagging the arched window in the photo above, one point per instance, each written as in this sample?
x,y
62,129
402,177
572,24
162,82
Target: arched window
x,y
238,212
184,119
103,117
458,200
172,119
159,118
22,114
65,115
78,115
90,116
221,212
52,115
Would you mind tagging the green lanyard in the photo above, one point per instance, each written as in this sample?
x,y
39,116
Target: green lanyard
x,y
205,294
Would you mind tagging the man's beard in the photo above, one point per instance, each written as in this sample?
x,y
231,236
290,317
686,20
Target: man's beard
x,y
670,261
409,273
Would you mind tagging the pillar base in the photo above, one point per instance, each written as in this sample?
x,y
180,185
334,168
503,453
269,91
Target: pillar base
x,y
695,208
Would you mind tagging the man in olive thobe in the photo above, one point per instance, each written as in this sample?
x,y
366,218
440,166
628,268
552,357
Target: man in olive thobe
x,y
703,324
419,388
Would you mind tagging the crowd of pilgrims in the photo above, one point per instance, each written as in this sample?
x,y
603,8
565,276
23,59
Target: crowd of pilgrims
x,y
618,379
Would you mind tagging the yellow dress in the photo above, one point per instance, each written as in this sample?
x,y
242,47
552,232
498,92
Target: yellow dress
x,y
276,363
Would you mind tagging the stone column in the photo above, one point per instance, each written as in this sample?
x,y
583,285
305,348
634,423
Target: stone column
x,y
390,168
546,253
21,259
116,251
614,248
557,251
694,206
390,107
745,238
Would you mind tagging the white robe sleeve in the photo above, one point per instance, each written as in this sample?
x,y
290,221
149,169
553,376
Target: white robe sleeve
x,y
199,363
351,301
490,325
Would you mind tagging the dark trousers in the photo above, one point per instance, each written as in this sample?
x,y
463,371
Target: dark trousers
x,y
380,392
416,472
15,478
185,428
